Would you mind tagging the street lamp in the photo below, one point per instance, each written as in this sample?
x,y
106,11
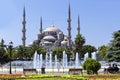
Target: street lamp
x,y
10,47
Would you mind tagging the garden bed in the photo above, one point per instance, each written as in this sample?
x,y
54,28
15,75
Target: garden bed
x,y
62,77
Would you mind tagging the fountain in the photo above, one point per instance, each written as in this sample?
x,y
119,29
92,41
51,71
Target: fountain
x,y
38,61
93,55
85,56
49,63
35,60
56,62
65,62
46,62
77,62
41,61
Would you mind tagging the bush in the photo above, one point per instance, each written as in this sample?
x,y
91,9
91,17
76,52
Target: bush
x,y
91,65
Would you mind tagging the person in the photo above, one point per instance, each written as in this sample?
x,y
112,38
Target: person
x,y
105,70
110,68
116,69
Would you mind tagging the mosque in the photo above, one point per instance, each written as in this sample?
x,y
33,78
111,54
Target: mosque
x,y
52,36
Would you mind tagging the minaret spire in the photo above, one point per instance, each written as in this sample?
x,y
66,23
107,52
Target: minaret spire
x,y
78,25
69,27
41,25
24,29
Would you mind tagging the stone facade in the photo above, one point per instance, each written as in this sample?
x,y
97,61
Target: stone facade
x,y
52,37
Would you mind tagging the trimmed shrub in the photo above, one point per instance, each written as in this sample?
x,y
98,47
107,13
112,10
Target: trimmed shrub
x,y
91,66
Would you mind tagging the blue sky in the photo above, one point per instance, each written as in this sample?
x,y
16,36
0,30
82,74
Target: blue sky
x,y
98,18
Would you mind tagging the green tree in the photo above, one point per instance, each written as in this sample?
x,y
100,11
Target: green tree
x,y
34,47
2,44
79,42
24,52
68,52
58,51
88,49
102,50
29,51
13,53
20,52
3,55
42,51
91,65
113,53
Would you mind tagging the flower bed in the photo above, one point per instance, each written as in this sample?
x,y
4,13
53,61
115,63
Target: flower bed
x,y
104,76
62,77
11,76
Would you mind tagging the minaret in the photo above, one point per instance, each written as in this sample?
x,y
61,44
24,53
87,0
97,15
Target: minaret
x,y
69,28
24,29
41,25
78,25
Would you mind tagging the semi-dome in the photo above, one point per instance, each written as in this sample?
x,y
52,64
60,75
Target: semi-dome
x,y
52,29
47,42
64,42
49,37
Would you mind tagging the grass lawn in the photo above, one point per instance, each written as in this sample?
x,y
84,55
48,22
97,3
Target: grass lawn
x,y
62,77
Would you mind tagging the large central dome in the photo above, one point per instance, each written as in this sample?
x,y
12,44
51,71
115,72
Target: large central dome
x,y
52,29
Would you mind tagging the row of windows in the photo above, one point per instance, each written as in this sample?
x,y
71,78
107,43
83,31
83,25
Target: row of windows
x,y
50,33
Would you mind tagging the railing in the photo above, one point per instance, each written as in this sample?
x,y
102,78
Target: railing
x,y
29,71
75,71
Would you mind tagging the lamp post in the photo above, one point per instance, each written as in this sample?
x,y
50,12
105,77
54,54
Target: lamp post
x,y
10,47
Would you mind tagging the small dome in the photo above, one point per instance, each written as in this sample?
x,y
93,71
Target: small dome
x,y
64,42
49,37
60,32
65,38
31,43
52,29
